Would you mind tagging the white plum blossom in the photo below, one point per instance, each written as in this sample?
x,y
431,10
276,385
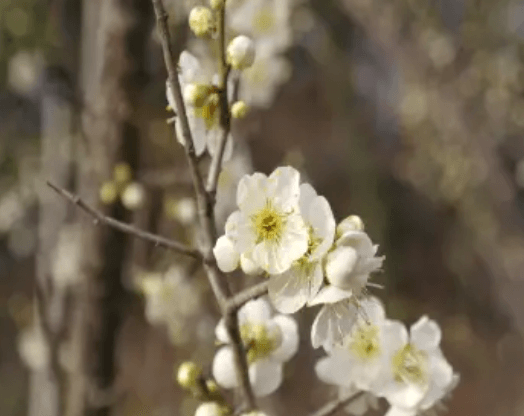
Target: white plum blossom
x,y
202,104
359,360
291,290
416,376
268,228
350,263
270,340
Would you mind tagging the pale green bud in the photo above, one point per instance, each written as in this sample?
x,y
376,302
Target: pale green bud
x,y
239,109
108,192
201,21
188,374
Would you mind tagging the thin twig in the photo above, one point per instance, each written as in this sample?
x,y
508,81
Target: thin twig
x,y
334,406
126,228
239,299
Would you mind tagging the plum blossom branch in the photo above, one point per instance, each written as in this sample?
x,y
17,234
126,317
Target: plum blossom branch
x,y
126,228
239,299
205,199
332,407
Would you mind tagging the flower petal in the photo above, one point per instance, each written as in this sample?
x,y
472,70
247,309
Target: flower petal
x,y
425,334
330,294
265,377
226,255
221,332
224,368
289,343
257,310
334,370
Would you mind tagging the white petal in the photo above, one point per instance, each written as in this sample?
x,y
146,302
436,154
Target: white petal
x,y
340,263
395,335
224,368
319,329
291,290
289,343
248,265
221,332
284,187
333,370
407,396
372,310
441,374
333,323
330,294
231,226
265,377
257,310
189,67
213,137
226,255
398,411
251,192
425,334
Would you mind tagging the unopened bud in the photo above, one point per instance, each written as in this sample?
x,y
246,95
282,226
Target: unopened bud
x,y
188,374
108,193
351,223
239,109
196,94
133,196
201,21
122,173
211,409
241,52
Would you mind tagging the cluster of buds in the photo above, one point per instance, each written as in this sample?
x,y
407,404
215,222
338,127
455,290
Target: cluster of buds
x,y
132,194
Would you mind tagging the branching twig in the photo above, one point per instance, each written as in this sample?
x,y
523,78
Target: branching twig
x,y
205,201
126,228
238,300
332,407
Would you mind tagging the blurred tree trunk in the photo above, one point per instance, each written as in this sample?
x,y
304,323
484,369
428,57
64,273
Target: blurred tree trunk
x,y
112,81
46,395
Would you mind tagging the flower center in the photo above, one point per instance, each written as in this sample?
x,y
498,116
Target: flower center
x,y
209,111
365,342
410,365
259,340
268,224
264,20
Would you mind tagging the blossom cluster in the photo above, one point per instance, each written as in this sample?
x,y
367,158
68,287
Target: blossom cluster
x,y
285,229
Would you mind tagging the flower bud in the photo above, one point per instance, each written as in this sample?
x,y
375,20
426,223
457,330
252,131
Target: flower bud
x,y
210,409
339,266
241,52
239,109
351,223
122,173
201,21
108,193
133,196
217,4
226,255
188,374
196,94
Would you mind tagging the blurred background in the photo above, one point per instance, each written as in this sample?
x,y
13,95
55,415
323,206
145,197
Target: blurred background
x,y
409,113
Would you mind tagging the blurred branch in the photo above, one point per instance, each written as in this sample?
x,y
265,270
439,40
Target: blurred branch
x,y
126,228
334,406
236,301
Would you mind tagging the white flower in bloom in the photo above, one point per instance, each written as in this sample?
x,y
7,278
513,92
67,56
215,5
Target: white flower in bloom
x,y
416,375
266,21
291,290
270,341
202,105
261,81
170,299
268,227
241,52
359,360
350,264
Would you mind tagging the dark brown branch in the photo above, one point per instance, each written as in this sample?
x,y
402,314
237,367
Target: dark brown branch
x,y
334,406
239,299
126,228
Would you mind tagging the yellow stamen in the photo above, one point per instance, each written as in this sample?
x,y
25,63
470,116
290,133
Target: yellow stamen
x,y
365,342
410,365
